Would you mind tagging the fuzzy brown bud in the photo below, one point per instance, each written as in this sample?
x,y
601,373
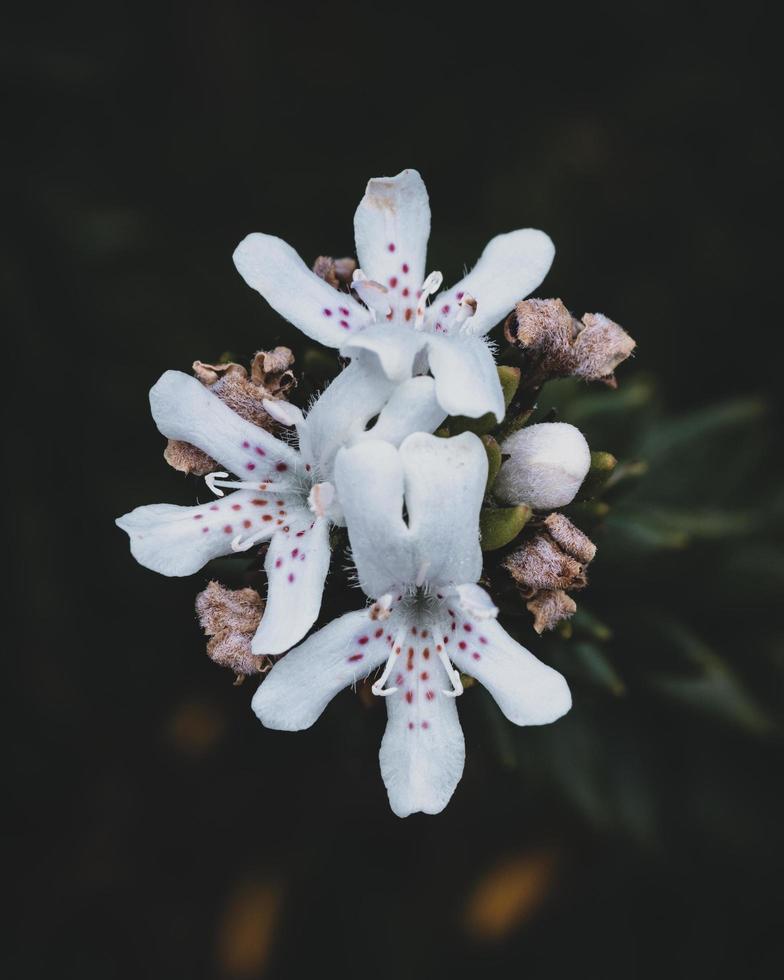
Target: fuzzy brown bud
x,y
600,346
541,564
231,618
562,346
549,607
271,370
337,272
570,538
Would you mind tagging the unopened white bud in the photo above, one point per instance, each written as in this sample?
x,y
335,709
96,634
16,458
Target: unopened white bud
x,y
547,463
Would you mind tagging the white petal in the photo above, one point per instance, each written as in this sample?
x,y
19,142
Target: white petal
x,y
283,412
443,481
296,565
391,227
475,602
184,409
510,268
176,540
302,684
546,467
274,269
342,411
526,690
369,481
466,376
413,407
396,347
423,752
444,486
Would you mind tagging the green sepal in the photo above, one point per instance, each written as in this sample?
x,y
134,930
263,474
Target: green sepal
x,y
493,451
500,525
602,466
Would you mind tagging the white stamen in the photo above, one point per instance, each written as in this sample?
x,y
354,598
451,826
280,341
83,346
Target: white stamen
x,y
210,479
217,479
320,498
378,688
420,579
430,286
452,674
238,544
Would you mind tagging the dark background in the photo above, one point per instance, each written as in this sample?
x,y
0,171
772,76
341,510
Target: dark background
x,y
156,828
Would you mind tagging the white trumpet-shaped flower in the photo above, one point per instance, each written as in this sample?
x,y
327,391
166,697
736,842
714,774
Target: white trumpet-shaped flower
x,y
396,311
546,467
412,517
282,494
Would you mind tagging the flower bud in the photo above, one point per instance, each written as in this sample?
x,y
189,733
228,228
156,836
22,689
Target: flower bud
x,y
541,564
550,607
337,272
547,463
560,345
230,618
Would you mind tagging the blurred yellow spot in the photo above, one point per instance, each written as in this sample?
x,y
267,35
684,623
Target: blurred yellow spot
x,y
510,893
246,930
195,727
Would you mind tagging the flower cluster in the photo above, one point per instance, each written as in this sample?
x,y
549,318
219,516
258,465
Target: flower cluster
x,y
377,454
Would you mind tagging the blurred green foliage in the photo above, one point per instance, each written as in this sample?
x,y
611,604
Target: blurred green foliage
x,y
677,616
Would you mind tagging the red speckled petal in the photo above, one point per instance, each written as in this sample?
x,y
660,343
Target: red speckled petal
x,y
509,269
302,683
296,564
184,409
274,269
391,228
177,540
422,752
525,689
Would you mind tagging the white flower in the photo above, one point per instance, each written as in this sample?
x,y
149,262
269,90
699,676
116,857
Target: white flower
x,y
392,225
546,467
283,494
428,613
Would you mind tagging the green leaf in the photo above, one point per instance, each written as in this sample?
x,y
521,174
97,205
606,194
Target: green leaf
x,y
500,525
683,431
593,664
589,625
715,689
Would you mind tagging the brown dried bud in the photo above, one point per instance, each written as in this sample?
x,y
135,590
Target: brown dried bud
x,y
185,458
231,618
270,377
542,326
570,538
549,607
600,346
562,346
208,374
541,564
337,272
271,370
